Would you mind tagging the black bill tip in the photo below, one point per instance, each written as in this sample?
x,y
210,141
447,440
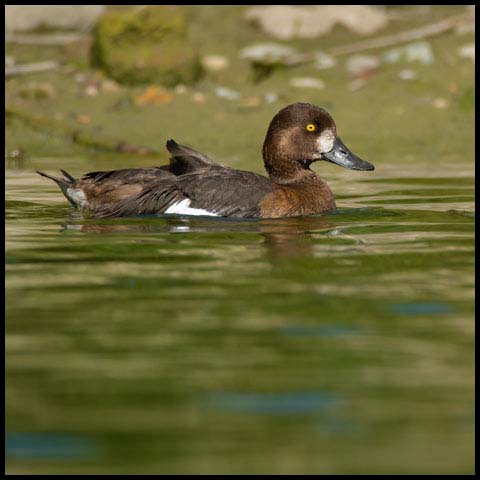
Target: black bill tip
x,y
341,155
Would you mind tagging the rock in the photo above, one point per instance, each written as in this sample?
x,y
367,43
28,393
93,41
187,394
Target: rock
x,y
467,51
109,86
407,74
147,45
15,154
251,102
93,86
24,18
180,89
322,61
214,63
266,57
357,65
440,103
267,53
357,84
361,19
417,51
227,93
91,89
286,22
270,97
199,97
307,82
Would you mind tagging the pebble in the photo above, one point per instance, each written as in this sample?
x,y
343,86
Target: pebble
x,y
440,103
199,97
16,154
416,51
251,102
467,51
110,86
270,97
180,89
322,61
267,53
215,63
227,93
307,82
358,64
407,74
357,83
91,90
80,77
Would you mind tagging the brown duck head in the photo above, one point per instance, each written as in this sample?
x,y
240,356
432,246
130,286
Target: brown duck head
x,y
300,134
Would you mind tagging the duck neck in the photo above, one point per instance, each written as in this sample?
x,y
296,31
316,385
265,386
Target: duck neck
x,y
283,170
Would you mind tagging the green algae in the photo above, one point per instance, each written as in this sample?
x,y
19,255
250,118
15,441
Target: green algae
x,y
149,45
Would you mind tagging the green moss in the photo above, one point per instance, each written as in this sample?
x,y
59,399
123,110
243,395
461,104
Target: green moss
x,y
149,45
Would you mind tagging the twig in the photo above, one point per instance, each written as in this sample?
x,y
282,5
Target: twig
x,y
429,30
31,68
45,39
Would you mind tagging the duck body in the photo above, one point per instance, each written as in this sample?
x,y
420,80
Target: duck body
x,y
193,184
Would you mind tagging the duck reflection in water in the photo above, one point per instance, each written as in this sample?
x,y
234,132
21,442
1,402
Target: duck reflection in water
x,y
285,237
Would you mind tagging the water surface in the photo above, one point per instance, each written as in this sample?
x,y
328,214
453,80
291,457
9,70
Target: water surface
x,y
339,343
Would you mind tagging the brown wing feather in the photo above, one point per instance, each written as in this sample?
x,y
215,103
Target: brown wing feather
x,y
226,191
187,160
190,175
152,199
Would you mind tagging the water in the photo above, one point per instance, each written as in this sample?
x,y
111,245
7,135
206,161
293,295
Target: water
x,y
341,343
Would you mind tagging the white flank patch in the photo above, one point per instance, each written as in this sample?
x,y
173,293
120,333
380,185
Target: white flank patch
x,y
77,196
325,141
183,208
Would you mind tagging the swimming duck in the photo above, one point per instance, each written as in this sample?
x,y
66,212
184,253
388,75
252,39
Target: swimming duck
x,y
193,184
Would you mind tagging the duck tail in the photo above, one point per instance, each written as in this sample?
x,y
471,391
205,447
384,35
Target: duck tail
x,y
64,182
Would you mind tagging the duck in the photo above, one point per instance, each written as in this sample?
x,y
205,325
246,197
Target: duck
x,y
194,184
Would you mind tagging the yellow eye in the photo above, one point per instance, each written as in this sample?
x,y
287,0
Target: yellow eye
x,y
311,127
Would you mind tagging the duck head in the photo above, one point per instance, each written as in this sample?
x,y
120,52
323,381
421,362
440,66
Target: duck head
x,y
300,134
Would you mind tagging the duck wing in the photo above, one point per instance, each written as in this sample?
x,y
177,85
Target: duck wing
x,y
127,175
221,191
226,192
186,160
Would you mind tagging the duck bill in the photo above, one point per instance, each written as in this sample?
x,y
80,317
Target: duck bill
x,y
342,156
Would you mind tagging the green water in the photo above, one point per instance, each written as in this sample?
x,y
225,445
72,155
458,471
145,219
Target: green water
x,y
341,343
